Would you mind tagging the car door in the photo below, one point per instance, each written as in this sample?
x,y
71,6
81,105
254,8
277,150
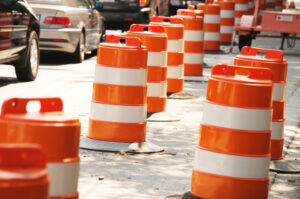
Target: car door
x,y
90,25
95,25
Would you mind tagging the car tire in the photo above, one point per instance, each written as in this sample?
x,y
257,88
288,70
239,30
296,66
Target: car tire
x,y
79,54
31,58
244,40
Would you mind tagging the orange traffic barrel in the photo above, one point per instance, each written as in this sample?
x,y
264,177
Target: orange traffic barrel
x,y
155,39
233,152
23,172
119,103
193,43
174,28
241,8
272,59
226,21
57,133
211,26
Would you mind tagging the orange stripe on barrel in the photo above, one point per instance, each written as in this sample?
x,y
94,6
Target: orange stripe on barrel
x,y
206,185
117,132
249,96
119,95
157,74
225,140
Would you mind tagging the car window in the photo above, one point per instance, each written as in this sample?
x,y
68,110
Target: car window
x,y
83,4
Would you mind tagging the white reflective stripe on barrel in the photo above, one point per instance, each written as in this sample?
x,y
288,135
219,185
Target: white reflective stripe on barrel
x,y
175,46
64,178
277,130
193,58
279,91
212,36
175,72
157,59
193,35
226,29
211,18
241,7
231,165
120,76
117,113
237,118
157,89
227,14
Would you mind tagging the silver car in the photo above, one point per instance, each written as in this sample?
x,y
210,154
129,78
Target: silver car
x,y
72,26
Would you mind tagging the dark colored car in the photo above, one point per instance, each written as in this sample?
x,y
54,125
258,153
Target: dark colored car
x,y
19,38
121,13
71,26
182,4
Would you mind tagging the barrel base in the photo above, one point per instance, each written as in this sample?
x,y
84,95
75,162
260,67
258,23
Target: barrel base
x,y
182,95
218,52
162,117
196,78
187,195
99,145
285,166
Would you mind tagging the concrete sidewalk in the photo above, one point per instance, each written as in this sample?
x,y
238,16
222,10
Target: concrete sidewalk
x,y
111,175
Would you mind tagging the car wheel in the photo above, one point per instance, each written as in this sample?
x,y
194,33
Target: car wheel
x,y
31,60
79,54
244,40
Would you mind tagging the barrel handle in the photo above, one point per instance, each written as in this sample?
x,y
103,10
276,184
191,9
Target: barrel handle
x,y
250,72
270,54
18,105
129,41
149,27
171,20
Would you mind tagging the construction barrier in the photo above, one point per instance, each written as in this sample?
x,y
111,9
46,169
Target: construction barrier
x,y
119,103
226,21
211,26
233,152
155,39
241,8
174,28
57,133
23,172
273,59
193,42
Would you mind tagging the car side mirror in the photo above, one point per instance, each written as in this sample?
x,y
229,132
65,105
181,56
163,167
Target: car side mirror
x,y
99,5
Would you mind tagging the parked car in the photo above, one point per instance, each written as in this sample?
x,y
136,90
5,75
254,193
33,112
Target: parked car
x,y
72,26
182,4
121,13
19,38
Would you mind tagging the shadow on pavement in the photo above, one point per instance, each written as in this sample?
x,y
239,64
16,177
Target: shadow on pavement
x,y
7,80
58,58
